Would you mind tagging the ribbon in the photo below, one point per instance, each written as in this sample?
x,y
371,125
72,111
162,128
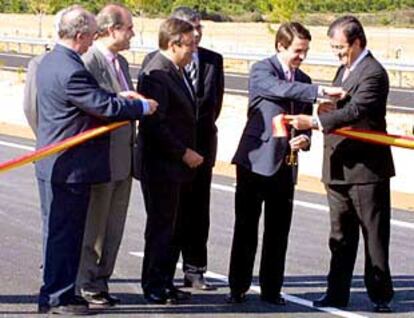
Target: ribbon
x,y
59,146
280,122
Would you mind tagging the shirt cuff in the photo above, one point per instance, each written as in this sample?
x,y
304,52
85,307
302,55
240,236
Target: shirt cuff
x,y
145,107
316,120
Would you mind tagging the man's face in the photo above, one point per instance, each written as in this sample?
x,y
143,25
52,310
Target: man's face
x,y
346,53
198,30
122,35
184,50
294,55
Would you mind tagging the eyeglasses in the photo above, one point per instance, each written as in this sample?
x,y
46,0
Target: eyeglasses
x,y
339,47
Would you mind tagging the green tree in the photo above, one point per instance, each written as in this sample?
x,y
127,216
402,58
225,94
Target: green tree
x,y
281,10
40,8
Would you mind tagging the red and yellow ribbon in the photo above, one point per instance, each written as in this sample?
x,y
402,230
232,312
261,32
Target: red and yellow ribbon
x,y
280,122
60,146
377,137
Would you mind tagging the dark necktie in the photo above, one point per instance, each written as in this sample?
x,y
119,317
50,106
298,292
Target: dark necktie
x,y
119,75
192,73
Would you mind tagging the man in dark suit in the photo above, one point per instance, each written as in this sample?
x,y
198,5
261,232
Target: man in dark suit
x,y
276,86
207,77
70,102
109,200
205,72
167,156
356,174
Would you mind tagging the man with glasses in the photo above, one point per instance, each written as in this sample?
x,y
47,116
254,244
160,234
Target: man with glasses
x,y
206,75
356,174
167,156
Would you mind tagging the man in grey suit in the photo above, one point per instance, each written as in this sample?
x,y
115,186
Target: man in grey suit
x,y
109,200
356,174
264,175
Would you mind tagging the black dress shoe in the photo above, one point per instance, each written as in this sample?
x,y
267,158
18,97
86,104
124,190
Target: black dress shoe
x,y
235,298
197,281
275,300
75,307
155,298
382,307
327,301
43,308
177,294
102,299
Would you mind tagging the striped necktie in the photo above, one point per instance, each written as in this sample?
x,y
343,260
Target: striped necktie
x,y
192,70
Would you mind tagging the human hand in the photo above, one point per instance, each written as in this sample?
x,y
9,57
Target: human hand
x,y
299,122
153,105
299,142
130,95
334,92
192,158
325,106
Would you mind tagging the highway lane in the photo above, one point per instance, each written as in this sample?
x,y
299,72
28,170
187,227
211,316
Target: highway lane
x,y
307,260
399,99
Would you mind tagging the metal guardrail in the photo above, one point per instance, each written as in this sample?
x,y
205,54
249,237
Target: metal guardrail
x,y
250,57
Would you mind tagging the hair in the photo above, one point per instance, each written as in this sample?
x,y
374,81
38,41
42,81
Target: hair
x,y
74,20
112,15
351,28
186,14
288,31
172,29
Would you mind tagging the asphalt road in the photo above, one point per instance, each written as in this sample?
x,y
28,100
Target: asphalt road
x,y
399,99
307,260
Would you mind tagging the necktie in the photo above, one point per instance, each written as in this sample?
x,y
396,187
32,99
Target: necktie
x,y
346,73
192,73
118,73
186,82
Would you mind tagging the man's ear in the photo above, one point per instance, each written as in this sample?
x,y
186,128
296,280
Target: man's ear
x,y
280,47
171,45
79,36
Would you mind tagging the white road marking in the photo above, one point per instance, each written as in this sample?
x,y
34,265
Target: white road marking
x,y
225,188
315,206
290,298
14,145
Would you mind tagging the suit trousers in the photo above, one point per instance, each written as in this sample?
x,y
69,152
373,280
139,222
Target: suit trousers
x,y
277,194
194,221
365,206
64,207
161,251
105,224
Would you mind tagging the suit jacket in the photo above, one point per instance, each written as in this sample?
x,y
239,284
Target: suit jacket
x,y
271,94
164,136
70,102
121,139
348,161
209,98
30,92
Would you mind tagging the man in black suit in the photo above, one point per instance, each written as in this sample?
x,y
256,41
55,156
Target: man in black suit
x,y
207,78
167,156
206,74
356,174
276,86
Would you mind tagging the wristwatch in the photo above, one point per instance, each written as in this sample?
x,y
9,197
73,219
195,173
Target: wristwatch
x,y
315,124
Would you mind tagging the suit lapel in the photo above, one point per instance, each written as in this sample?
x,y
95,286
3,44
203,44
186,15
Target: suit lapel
x,y
106,70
